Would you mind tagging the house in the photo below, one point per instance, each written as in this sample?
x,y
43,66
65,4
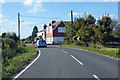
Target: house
x,y
55,32
42,33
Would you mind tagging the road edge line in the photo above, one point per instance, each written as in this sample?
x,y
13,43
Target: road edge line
x,y
95,53
28,66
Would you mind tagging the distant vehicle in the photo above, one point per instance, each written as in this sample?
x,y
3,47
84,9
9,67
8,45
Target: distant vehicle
x,y
40,43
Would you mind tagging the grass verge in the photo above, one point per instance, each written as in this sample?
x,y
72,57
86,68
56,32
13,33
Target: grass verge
x,y
103,52
17,62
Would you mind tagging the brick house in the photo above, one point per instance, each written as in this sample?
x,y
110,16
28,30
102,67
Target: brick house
x,y
55,32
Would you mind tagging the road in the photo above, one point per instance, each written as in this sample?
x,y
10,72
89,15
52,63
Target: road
x,y
61,62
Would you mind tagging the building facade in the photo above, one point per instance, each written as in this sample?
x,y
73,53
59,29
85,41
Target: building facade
x,y
55,32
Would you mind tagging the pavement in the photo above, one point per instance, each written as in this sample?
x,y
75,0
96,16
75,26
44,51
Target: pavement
x,y
60,62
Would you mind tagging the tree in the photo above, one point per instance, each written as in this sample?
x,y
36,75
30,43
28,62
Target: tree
x,y
34,33
116,28
3,35
87,29
70,32
103,29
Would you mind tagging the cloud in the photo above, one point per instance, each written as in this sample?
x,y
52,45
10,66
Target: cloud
x,y
1,15
27,23
2,1
111,0
36,5
78,14
28,2
112,16
1,22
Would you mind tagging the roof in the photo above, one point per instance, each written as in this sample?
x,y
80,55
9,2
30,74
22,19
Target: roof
x,y
67,22
56,23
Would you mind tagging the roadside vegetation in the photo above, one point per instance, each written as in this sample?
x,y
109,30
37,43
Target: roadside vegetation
x,y
101,36
15,55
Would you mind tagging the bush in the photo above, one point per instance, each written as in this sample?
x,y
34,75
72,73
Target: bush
x,y
92,45
9,53
118,53
20,50
17,62
66,42
77,43
21,45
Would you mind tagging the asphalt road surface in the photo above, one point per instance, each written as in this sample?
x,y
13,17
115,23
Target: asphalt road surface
x,y
61,62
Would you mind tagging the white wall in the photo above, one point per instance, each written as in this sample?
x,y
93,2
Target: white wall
x,y
56,40
49,40
41,34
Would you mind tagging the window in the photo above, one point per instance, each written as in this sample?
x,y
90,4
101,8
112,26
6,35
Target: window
x,y
61,29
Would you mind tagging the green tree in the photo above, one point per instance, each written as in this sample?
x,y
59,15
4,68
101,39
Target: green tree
x,y
103,29
3,35
70,32
34,33
87,29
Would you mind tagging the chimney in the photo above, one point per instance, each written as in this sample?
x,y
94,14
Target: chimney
x,y
45,26
53,21
49,24
71,16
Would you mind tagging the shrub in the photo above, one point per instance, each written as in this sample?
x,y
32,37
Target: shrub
x,y
77,43
21,45
8,53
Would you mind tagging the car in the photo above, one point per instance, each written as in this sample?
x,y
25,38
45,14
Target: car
x,y
40,43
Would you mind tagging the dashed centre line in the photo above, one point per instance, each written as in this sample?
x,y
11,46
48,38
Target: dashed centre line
x,y
64,51
76,60
96,77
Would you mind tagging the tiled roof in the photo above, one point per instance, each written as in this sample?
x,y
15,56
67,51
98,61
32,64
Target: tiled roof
x,y
56,23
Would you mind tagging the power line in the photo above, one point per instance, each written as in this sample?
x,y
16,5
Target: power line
x,y
10,18
40,17
73,9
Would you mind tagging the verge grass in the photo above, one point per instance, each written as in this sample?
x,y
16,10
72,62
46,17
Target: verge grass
x,y
17,62
108,52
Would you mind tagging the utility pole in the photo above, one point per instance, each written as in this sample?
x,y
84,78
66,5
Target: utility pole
x,y
19,27
71,16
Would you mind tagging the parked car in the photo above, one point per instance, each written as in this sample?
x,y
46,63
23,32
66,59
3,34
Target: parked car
x,y
40,43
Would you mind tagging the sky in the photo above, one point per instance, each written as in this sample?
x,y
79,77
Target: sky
x,y
39,12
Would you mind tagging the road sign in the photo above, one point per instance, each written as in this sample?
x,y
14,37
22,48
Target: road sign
x,y
76,38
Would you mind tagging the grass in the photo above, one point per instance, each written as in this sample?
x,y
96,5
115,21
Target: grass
x,y
16,63
109,52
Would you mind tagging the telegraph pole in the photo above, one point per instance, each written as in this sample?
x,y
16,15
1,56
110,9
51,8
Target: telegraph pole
x,y
19,27
71,16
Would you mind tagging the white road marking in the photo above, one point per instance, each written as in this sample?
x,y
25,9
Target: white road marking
x,y
96,53
27,66
96,77
64,51
76,60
